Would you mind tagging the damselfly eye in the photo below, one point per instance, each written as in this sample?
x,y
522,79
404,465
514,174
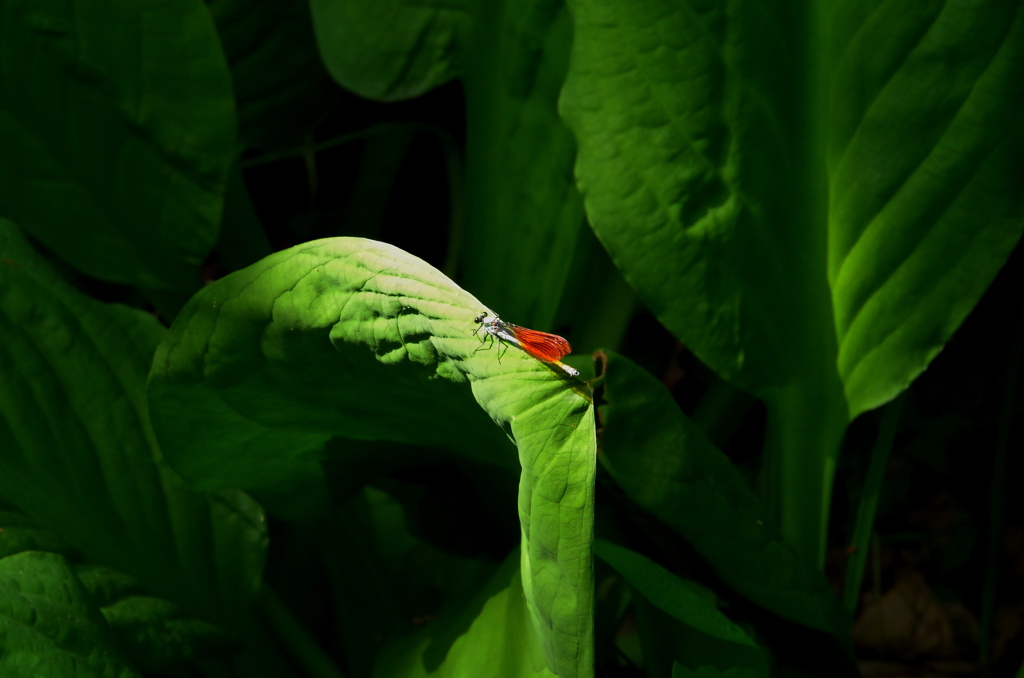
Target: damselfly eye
x,y
480,318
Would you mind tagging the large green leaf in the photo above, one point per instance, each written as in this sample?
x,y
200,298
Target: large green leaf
x,y
117,125
812,198
50,627
924,165
355,338
78,453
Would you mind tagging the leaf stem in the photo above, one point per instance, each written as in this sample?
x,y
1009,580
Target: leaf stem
x,y
997,492
307,653
864,526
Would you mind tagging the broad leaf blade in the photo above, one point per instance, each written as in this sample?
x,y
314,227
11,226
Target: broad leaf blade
x,y
926,199
118,132
682,165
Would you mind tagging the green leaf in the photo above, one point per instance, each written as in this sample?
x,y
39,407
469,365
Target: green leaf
x,y
490,634
342,336
813,225
118,133
280,83
50,628
390,49
79,456
924,177
685,600
666,466
355,338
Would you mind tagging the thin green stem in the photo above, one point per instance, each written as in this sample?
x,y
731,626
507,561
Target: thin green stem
x,y
869,504
341,140
997,491
306,652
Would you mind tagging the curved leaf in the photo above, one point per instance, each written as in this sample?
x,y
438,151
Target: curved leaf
x,y
118,133
355,338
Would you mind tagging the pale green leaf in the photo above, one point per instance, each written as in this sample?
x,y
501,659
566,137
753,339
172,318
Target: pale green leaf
x,y
355,338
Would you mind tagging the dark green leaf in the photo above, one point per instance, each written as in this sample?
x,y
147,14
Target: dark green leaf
x,y
524,216
391,49
118,132
685,600
281,85
153,632
50,628
19,533
666,466
79,456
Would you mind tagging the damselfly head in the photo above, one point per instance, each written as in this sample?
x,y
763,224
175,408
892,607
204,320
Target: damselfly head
x,y
486,318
